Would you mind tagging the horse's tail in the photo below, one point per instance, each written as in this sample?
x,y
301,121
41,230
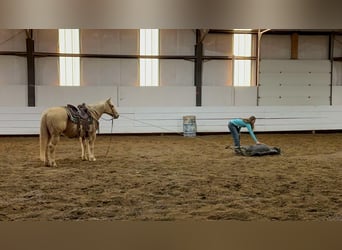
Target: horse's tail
x,y
43,137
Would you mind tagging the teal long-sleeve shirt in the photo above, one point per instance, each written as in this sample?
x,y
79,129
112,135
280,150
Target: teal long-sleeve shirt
x,y
240,123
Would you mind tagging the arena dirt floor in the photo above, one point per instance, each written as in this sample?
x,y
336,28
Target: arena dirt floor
x,y
173,178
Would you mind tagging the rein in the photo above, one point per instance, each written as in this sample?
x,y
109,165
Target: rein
x,y
169,130
95,113
111,132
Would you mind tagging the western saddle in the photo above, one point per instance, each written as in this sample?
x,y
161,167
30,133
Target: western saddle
x,y
81,116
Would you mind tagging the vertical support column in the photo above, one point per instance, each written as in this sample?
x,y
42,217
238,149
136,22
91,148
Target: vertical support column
x,y
31,90
331,58
258,41
294,46
198,67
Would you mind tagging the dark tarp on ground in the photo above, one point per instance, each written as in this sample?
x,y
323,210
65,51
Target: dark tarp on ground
x,y
258,150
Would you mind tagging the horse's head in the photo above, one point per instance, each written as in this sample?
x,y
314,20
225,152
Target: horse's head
x,y
110,109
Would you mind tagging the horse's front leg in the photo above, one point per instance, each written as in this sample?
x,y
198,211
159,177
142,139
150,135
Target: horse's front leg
x,y
51,161
91,147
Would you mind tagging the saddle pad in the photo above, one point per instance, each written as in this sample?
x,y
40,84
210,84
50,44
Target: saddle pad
x,y
258,150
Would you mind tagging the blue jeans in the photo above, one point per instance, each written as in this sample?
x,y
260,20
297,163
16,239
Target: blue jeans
x,y
235,131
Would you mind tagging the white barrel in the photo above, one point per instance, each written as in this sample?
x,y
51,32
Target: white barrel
x,y
189,126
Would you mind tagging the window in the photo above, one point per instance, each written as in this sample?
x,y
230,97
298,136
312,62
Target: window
x,y
242,45
149,67
69,67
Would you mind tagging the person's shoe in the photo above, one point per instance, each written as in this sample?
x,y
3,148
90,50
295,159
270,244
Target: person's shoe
x,y
237,150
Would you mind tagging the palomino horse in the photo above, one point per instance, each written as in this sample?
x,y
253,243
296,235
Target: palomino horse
x,y
55,122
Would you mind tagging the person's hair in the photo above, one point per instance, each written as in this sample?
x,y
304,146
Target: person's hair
x,y
250,120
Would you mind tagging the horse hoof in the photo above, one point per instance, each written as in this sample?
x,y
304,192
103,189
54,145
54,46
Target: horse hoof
x,y
51,164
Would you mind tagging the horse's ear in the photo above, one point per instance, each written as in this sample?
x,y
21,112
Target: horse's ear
x,y
109,99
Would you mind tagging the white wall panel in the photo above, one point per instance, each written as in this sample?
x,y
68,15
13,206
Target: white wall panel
x,y
294,82
20,120
275,47
176,73
100,72
337,73
109,72
46,40
295,66
47,96
47,70
218,45
216,73
13,95
108,41
229,96
156,96
13,70
337,95
245,96
293,100
295,91
129,72
12,40
177,42
313,47
217,96
298,118
297,79
25,120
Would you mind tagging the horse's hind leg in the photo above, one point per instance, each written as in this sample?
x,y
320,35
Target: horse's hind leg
x,y
52,149
82,148
46,160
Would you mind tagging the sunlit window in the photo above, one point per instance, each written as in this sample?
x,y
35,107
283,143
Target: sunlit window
x,y
69,67
242,45
149,67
